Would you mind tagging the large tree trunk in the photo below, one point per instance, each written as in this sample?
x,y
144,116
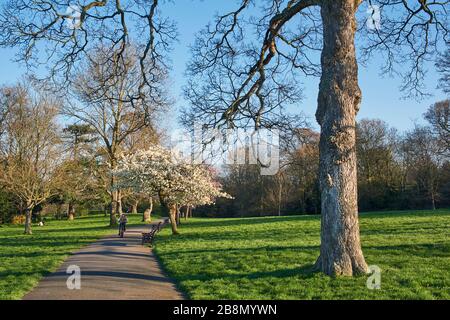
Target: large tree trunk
x,y
70,211
178,215
134,207
114,206
59,211
431,184
171,211
147,216
28,216
280,194
119,203
113,209
186,212
338,103
433,200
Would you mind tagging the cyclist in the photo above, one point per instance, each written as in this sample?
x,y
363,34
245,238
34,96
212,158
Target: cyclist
x,y
123,222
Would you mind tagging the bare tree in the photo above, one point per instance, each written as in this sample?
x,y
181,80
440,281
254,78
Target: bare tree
x,y
4,109
438,115
375,146
78,182
78,140
443,66
379,174
423,159
62,35
99,103
303,167
237,79
245,82
29,148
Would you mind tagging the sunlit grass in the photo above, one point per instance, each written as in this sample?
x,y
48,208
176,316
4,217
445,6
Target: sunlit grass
x,y
271,258
25,259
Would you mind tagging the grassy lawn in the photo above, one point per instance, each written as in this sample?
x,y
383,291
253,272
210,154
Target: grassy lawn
x,y
25,259
271,258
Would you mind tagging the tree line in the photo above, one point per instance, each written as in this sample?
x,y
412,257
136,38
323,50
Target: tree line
x,y
107,156
65,171
396,171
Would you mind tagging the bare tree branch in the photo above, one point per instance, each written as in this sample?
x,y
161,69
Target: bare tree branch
x,y
61,35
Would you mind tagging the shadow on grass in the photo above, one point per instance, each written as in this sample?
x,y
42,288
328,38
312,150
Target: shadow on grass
x,y
45,242
402,229
207,223
83,229
423,250
243,250
204,223
60,237
304,272
18,274
236,236
38,252
405,213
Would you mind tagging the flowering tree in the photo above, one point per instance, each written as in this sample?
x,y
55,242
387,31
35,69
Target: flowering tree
x,y
175,181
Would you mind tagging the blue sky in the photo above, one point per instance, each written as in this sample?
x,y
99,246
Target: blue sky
x,y
381,96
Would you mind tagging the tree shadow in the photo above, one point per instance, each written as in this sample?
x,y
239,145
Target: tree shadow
x,y
36,232
392,214
113,274
240,249
424,250
111,253
304,272
235,236
30,254
227,222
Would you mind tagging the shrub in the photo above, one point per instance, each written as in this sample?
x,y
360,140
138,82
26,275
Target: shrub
x,y
18,219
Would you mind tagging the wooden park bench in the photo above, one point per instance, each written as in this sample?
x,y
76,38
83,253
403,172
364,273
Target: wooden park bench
x,y
147,237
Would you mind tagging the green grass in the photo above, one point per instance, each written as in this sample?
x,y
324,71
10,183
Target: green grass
x,y
25,259
254,258
271,258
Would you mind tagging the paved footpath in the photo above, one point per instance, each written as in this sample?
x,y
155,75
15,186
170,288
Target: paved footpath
x,y
111,268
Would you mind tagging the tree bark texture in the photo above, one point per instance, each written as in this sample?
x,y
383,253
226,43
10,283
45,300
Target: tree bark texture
x,y
70,211
147,216
338,104
113,208
28,217
119,203
172,214
134,207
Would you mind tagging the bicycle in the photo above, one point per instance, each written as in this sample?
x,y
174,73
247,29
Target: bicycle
x,y
121,230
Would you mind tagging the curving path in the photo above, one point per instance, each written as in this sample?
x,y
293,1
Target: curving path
x,y
111,268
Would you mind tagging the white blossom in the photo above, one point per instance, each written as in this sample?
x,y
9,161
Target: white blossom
x,y
158,171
